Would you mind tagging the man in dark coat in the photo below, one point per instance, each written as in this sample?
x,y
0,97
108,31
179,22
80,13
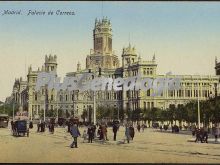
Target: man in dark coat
x,y
90,133
74,131
31,125
100,132
94,130
138,127
131,129
115,129
38,127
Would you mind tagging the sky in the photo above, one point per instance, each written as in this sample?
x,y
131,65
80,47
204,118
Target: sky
x,y
184,36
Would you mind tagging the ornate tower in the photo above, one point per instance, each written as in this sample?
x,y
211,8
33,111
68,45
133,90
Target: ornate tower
x,y
50,63
102,55
102,36
129,55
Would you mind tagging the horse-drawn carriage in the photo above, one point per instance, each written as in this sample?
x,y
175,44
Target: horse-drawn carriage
x,y
20,127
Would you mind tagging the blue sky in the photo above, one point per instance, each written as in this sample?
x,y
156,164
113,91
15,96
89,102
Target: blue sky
x,y
185,36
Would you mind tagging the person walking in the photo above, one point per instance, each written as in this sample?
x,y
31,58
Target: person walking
x,y
138,127
38,126
94,130
127,133
216,133
75,133
115,129
131,128
31,125
84,136
52,128
142,127
104,131
100,133
90,133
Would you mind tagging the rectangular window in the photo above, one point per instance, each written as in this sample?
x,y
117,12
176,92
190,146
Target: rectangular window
x,y
148,92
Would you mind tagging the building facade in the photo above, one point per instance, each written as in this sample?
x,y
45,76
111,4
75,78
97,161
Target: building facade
x,y
102,61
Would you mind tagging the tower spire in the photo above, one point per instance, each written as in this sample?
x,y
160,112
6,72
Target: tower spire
x,y
154,57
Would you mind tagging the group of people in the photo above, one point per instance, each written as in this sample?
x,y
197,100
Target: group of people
x,y
202,133
129,132
41,126
90,133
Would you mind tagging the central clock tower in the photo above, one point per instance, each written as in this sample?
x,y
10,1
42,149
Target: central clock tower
x,y
102,36
102,56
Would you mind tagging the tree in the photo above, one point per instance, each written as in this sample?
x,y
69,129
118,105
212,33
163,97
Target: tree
x,y
154,114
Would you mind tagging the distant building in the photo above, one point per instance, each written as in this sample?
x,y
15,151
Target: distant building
x,y
103,61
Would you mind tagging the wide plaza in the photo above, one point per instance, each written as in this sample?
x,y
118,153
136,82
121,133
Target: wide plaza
x,y
150,146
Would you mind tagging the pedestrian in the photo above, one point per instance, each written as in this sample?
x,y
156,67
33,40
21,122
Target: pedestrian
x,y
84,136
38,127
115,129
205,134
31,125
127,133
12,126
52,128
43,125
74,131
100,133
131,128
198,135
68,126
90,133
142,127
94,130
104,131
49,127
138,127
216,133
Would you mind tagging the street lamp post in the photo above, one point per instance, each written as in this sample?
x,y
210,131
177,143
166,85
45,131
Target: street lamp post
x,y
57,111
198,106
45,101
13,111
94,108
118,113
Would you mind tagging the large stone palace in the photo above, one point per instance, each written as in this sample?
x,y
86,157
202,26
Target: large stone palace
x,y
103,61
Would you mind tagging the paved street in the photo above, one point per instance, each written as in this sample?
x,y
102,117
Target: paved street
x,y
149,146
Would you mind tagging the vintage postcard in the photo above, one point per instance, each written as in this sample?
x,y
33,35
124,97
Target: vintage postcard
x,y
109,82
